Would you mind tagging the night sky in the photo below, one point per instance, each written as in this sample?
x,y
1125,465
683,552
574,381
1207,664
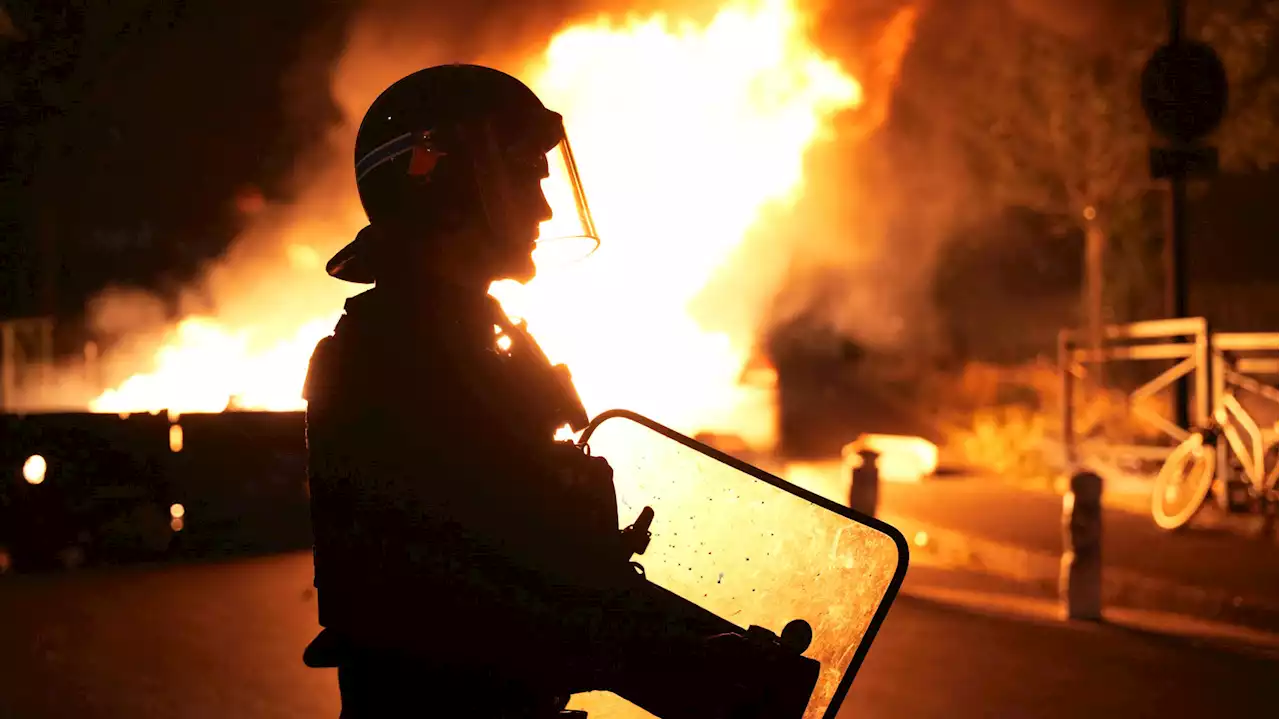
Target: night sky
x,y
131,129
134,125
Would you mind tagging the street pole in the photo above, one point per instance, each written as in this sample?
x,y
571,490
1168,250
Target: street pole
x,y
1175,244
1175,252
1175,21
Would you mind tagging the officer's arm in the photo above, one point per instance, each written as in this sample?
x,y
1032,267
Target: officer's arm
x,y
428,458
443,456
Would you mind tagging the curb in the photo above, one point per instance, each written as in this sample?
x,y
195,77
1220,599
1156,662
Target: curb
x,y
1134,503
1260,643
1038,571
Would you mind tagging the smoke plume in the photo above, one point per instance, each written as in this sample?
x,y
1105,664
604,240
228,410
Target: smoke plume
x,y
831,262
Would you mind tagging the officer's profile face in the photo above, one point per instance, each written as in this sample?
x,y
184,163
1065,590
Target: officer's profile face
x,y
529,209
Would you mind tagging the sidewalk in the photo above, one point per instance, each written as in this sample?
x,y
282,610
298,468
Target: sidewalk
x,y
987,527
1007,598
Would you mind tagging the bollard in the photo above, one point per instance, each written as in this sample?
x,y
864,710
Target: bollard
x,y
864,484
1080,582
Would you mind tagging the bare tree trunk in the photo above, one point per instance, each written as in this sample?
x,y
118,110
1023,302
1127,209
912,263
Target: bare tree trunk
x,y
1094,252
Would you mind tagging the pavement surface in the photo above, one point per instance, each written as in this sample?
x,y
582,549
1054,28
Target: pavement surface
x,y
224,639
1199,557
1218,568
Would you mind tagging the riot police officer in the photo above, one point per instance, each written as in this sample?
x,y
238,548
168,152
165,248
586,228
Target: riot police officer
x,y
466,562
454,537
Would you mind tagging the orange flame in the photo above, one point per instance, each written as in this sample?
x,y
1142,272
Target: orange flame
x,y
685,134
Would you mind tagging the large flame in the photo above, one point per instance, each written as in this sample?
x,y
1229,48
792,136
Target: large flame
x,y
685,133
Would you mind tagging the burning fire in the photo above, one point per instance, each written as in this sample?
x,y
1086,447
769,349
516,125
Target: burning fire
x,y
209,368
685,133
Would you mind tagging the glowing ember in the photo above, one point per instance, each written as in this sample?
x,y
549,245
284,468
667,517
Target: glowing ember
x,y
684,134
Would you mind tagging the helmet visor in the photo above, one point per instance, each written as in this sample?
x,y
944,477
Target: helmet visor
x,y
570,234
533,184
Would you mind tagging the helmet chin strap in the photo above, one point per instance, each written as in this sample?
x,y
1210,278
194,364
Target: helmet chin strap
x,y
468,258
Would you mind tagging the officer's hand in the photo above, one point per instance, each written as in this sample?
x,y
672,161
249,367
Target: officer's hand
x,y
585,489
575,467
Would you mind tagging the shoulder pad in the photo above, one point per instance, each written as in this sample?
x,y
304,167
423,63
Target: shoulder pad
x,y
319,369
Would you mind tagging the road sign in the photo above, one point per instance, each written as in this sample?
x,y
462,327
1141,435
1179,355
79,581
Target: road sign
x,y
1185,161
1184,90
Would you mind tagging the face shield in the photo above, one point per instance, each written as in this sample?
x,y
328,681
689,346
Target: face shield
x,y
521,183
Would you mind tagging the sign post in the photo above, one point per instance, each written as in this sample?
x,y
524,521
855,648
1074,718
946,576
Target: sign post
x,y
1184,96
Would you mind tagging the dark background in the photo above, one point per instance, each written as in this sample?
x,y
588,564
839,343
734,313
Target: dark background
x,y
131,128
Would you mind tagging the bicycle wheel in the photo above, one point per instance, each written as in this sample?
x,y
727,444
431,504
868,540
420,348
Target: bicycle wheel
x,y
1183,483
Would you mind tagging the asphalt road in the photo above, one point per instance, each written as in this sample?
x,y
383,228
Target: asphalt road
x,y
224,640
1210,558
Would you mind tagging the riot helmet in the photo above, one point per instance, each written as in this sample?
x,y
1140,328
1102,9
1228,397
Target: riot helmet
x,y
461,151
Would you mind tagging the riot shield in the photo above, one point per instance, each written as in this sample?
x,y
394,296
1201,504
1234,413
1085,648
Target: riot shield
x,y
752,549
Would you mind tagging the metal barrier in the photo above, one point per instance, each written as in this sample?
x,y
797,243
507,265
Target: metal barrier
x,y
1216,361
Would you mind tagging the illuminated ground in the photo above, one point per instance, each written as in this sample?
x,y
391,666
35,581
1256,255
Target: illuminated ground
x,y
223,640
1215,558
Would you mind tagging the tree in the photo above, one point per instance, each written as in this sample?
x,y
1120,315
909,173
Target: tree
x,y
1245,35
1052,122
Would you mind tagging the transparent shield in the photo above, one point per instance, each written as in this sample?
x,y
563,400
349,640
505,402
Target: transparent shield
x,y
751,548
